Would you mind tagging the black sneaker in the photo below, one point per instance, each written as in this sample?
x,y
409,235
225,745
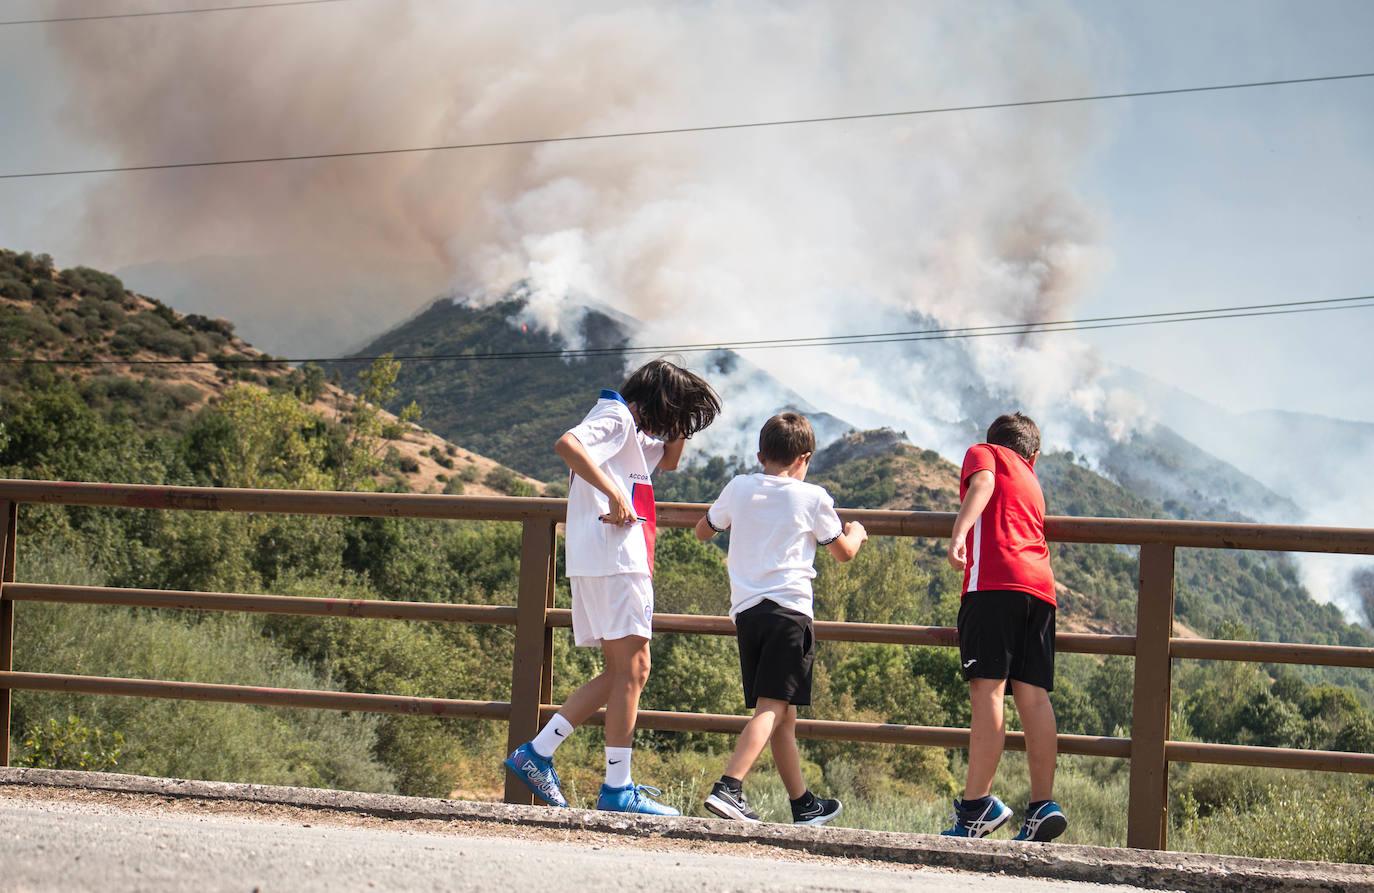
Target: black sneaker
x,y
821,810
730,804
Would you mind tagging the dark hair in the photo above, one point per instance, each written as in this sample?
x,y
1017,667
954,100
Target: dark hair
x,y
1016,432
669,401
784,437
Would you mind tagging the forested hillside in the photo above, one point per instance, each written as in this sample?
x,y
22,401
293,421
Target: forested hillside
x,y
125,423
510,409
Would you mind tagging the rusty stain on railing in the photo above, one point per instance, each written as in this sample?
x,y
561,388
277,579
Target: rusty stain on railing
x,y
1154,648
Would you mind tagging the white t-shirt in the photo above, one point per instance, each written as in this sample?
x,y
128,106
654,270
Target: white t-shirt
x,y
627,456
775,523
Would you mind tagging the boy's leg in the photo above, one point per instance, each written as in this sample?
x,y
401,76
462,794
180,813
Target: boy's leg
x,y
986,737
616,688
783,742
627,665
807,808
627,669
1037,719
769,715
590,697
727,798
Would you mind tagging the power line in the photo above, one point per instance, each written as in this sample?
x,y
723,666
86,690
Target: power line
x,y
168,12
492,144
943,334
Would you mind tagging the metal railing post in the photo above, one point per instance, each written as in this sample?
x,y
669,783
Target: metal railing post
x,y
9,517
1147,822
532,674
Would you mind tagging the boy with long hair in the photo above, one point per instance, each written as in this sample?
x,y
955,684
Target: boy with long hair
x,y
610,557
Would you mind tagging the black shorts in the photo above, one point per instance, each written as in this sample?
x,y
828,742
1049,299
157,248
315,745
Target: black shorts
x,y
1007,635
776,650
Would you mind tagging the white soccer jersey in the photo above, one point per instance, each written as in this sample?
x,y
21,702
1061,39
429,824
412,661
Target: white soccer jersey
x,y
628,457
775,523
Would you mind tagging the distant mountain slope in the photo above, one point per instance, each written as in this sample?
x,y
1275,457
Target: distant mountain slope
x,y
159,367
1190,482
513,409
1324,465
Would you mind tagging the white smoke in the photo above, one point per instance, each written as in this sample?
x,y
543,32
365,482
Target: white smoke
x,y
838,228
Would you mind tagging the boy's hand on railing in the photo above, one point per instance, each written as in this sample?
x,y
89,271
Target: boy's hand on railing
x,y
854,528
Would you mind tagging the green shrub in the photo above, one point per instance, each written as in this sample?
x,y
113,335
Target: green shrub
x,y
1272,814
95,283
178,739
501,479
70,745
46,292
39,265
14,290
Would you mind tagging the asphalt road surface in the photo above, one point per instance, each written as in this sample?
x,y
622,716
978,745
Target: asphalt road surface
x,y
51,844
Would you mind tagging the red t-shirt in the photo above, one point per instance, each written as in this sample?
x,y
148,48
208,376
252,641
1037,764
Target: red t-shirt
x,y
1006,545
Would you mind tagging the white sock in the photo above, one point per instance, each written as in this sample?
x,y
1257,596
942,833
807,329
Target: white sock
x,y
555,733
617,767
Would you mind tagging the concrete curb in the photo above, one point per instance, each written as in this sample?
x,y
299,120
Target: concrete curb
x,y
1102,865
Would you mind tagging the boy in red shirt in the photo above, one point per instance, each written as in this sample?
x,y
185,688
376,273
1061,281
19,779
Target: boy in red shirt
x,y
1006,625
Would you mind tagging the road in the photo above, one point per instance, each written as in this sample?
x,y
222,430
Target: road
x,y
48,844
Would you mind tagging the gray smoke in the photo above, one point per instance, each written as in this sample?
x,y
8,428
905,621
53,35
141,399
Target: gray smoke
x,y
838,228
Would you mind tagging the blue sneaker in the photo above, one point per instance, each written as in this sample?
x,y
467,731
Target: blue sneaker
x,y
978,822
1045,822
537,774
631,799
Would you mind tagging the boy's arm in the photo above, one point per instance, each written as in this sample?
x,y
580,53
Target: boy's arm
x,y
704,530
672,452
846,545
980,486
571,451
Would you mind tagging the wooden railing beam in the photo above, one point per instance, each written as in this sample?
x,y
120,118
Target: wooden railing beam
x,y
9,523
531,675
1147,819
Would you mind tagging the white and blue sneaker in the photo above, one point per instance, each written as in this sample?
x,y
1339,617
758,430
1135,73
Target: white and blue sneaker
x,y
631,799
1045,822
537,773
978,821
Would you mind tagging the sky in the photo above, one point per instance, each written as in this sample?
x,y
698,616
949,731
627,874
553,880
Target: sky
x,y
1244,197
1130,206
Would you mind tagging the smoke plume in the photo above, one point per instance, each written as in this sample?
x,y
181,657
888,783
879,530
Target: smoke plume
x,y
853,227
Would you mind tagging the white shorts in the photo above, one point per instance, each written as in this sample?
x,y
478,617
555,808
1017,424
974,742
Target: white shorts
x,y
608,608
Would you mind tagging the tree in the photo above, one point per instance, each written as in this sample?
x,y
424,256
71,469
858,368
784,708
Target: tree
x,y
364,446
312,383
255,439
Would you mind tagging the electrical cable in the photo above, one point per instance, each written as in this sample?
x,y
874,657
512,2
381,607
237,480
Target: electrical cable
x,y
943,334
676,130
168,12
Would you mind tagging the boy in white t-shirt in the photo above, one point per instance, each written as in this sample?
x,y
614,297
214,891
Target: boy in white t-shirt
x,y
776,520
610,559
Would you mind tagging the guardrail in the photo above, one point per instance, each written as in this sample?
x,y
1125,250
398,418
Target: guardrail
x,y
534,617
